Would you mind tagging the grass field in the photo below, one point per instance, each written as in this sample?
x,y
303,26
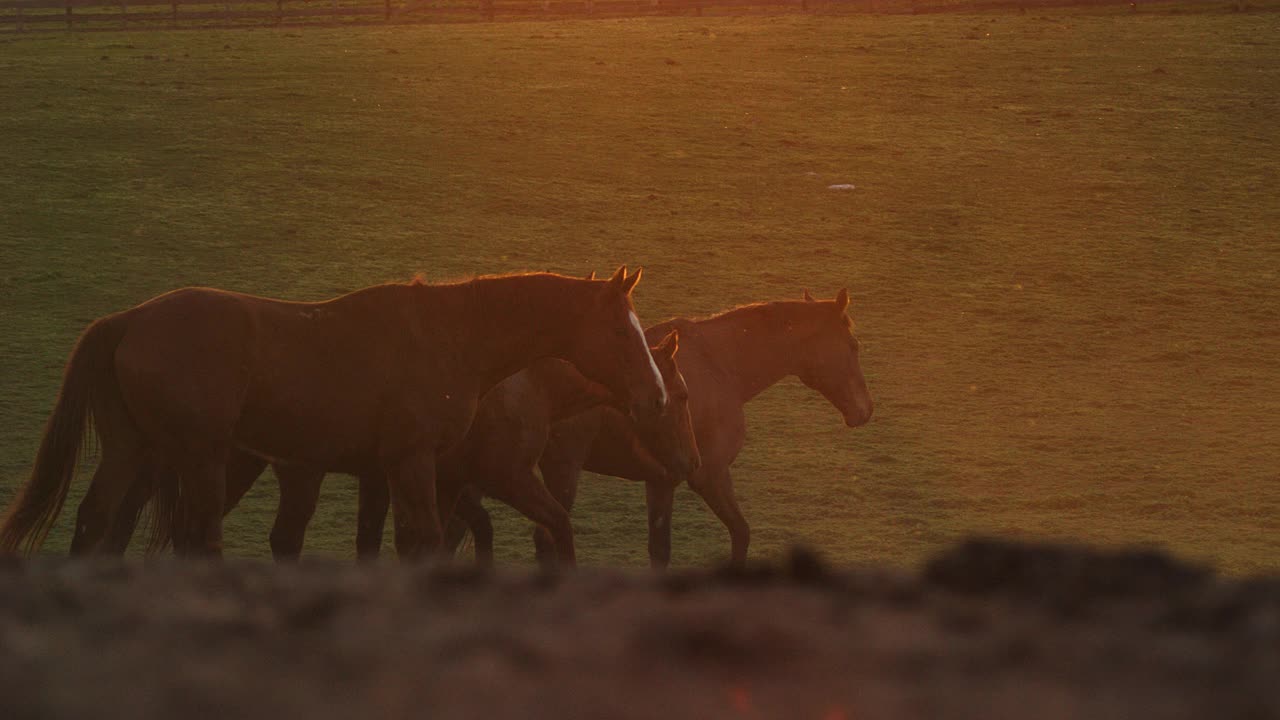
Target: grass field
x,y
1062,244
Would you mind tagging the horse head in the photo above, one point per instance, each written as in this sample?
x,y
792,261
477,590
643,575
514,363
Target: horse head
x,y
669,436
829,360
611,348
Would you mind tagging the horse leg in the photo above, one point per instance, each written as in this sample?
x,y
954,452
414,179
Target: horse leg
x,y
112,481
242,470
456,529
451,492
129,512
523,492
454,532
371,518
299,493
475,518
660,499
481,525
123,457
412,486
544,546
204,490
560,476
716,489
146,487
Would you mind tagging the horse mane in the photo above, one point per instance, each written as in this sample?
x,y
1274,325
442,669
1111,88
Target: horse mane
x,y
420,278
478,297
769,311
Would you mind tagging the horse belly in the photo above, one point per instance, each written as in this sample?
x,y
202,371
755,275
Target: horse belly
x,y
317,385
330,383
307,427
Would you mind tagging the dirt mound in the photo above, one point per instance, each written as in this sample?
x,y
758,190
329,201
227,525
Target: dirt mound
x,y
987,630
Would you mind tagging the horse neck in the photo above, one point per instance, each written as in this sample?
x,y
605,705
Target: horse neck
x,y
751,350
502,325
622,452
568,392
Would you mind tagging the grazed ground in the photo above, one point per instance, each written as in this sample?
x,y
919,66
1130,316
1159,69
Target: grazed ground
x,y
985,631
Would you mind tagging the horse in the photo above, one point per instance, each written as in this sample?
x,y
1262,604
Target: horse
x,y
497,456
387,376
497,459
727,360
639,456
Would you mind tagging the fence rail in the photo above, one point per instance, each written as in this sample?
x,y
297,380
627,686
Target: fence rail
x,y
90,15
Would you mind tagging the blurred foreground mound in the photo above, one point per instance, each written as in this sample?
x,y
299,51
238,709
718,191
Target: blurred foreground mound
x,y
988,630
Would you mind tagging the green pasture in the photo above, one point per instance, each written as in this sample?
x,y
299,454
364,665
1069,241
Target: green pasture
x,y
1062,243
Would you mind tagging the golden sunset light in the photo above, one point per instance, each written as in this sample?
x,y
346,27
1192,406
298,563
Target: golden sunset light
x,y
818,359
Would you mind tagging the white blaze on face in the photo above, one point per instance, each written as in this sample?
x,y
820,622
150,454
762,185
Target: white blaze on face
x,y
657,376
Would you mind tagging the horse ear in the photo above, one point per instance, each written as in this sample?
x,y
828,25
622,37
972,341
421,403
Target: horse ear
x,y
842,299
670,344
591,275
629,283
619,277
807,296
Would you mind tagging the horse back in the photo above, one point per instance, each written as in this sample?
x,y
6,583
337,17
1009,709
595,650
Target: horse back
x,y
286,379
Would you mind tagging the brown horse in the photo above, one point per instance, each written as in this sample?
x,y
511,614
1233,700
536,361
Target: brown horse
x,y
549,388
388,376
498,456
632,457
727,360
513,426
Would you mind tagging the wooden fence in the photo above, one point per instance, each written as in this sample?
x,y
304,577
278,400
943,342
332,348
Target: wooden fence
x,y
82,15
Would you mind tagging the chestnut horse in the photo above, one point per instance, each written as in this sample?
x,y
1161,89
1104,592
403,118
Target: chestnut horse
x,y
497,457
727,360
639,454
513,426
387,376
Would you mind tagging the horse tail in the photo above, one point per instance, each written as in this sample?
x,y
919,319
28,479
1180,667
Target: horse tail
x,y
32,512
164,508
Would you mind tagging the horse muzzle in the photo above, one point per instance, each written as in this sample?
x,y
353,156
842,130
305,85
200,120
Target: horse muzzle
x,y
859,415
